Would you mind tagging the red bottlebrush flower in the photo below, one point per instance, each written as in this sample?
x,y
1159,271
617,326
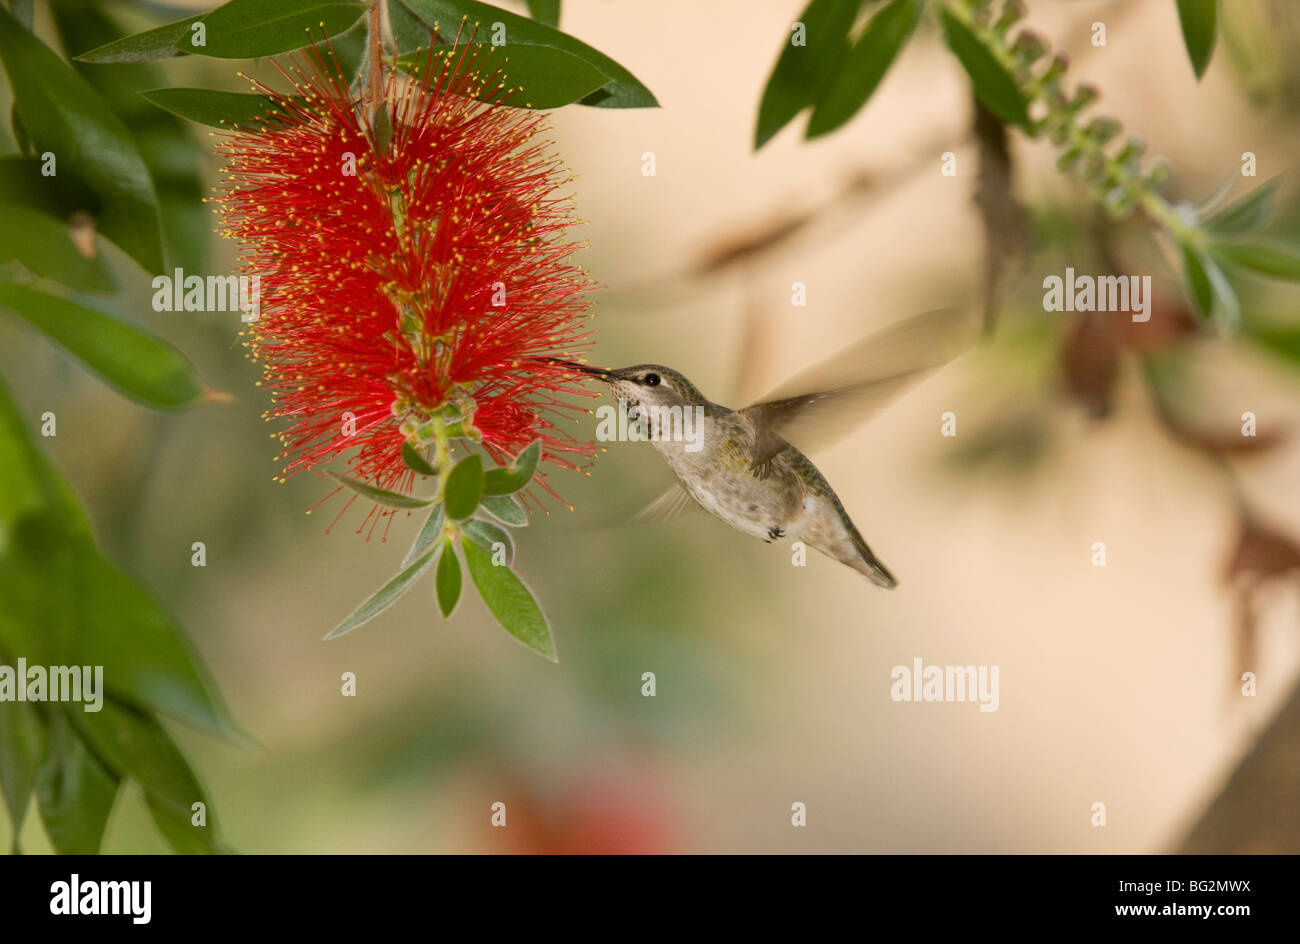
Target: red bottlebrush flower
x,y
403,276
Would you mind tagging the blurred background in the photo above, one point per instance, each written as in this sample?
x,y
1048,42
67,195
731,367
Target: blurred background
x,y
1120,684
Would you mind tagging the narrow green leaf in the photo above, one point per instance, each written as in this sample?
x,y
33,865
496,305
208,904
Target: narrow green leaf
x,y
1248,214
509,479
416,462
486,534
803,72
620,90
507,509
74,791
1281,339
533,76
509,601
138,364
43,244
1198,280
382,495
858,75
994,85
249,29
1277,262
448,580
545,11
464,488
427,537
23,184
1199,20
22,748
216,109
157,43
67,117
384,597
409,31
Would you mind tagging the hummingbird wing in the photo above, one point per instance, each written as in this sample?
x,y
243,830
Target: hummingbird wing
x,y
824,403
676,501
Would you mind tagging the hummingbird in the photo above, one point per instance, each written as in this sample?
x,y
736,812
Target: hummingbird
x,y
742,466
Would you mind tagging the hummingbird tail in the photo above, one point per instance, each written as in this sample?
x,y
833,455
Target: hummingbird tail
x,y
866,563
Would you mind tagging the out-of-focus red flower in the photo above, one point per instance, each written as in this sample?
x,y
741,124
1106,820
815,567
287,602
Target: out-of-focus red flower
x,y
400,276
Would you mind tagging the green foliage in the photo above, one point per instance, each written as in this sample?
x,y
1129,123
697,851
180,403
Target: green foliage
x,y
509,601
44,245
247,29
464,488
383,496
216,109
993,81
447,580
385,596
509,479
531,76
1199,21
545,11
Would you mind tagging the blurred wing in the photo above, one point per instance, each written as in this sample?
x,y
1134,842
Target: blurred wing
x,y
828,401
676,501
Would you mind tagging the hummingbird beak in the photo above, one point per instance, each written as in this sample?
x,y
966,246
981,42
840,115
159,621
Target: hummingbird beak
x,y
598,372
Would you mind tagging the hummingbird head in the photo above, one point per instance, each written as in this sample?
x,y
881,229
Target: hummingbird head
x,y
651,385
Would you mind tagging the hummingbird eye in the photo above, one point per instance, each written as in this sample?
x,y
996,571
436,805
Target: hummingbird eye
x,y
650,380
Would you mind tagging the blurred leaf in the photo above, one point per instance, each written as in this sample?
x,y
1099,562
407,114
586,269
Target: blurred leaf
x,y
994,85
549,78
802,73
1278,262
509,601
134,745
507,509
1198,280
217,109
1198,20
511,478
545,11
485,534
249,29
22,748
1283,340
427,537
384,597
621,89
464,488
866,64
416,462
43,245
448,579
382,495
138,364
66,116
74,790
152,44
21,184
1247,214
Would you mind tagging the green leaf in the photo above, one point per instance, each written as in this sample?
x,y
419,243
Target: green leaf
x,y
427,537
1247,214
22,748
22,184
217,109
1199,22
384,597
533,76
141,366
485,534
509,479
994,85
509,601
249,29
75,792
67,117
448,580
802,73
1281,339
464,488
157,43
860,72
134,745
416,462
545,11
620,90
43,245
382,495
1277,262
1198,280
507,509
409,31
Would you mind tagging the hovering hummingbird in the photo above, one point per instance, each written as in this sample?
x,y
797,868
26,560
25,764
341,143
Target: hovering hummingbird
x,y
743,467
